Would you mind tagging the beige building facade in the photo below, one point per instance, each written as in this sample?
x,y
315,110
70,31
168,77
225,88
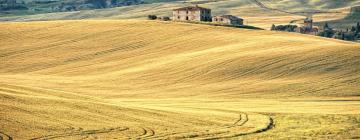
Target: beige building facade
x,y
228,19
192,13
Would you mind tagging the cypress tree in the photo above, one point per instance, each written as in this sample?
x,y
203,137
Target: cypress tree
x,y
353,29
273,27
326,26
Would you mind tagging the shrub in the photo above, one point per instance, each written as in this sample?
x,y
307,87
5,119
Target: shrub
x,y
327,33
165,18
288,28
152,17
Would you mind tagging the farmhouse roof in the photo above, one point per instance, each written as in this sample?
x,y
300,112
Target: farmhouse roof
x,y
231,17
191,8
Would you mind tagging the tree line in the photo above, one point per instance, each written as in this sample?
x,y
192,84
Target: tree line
x,y
350,34
6,5
287,28
62,5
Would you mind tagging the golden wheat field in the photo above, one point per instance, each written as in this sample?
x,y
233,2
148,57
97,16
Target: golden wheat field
x,y
135,79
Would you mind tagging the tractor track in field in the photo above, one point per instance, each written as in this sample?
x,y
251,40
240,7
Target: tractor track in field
x,y
234,128
241,121
82,133
228,131
147,132
4,136
269,126
206,134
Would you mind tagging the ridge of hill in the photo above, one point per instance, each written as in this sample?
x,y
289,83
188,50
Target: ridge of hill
x,y
250,10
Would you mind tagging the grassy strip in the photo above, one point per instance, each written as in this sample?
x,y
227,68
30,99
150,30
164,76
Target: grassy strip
x,y
225,25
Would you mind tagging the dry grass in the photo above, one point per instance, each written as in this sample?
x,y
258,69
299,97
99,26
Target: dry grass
x,y
163,80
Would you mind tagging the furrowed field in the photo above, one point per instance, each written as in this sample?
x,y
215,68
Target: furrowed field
x,y
107,79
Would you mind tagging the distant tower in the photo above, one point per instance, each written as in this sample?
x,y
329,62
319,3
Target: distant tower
x,y
308,22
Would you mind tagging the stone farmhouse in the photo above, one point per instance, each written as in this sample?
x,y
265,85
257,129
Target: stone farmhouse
x,y
228,19
196,13
192,13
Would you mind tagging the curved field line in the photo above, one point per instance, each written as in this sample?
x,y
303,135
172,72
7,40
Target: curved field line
x,y
4,136
148,132
269,126
54,45
205,134
229,131
241,121
81,133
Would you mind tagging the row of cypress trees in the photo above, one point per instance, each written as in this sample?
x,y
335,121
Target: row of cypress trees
x,y
350,34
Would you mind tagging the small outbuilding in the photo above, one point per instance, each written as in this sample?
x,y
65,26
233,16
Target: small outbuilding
x,y
228,19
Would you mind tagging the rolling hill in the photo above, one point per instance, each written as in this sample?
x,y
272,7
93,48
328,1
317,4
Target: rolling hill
x,y
103,79
347,22
253,13
31,7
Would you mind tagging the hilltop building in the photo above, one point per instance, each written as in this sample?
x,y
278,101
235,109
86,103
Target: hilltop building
x,y
192,13
308,23
228,19
308,28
